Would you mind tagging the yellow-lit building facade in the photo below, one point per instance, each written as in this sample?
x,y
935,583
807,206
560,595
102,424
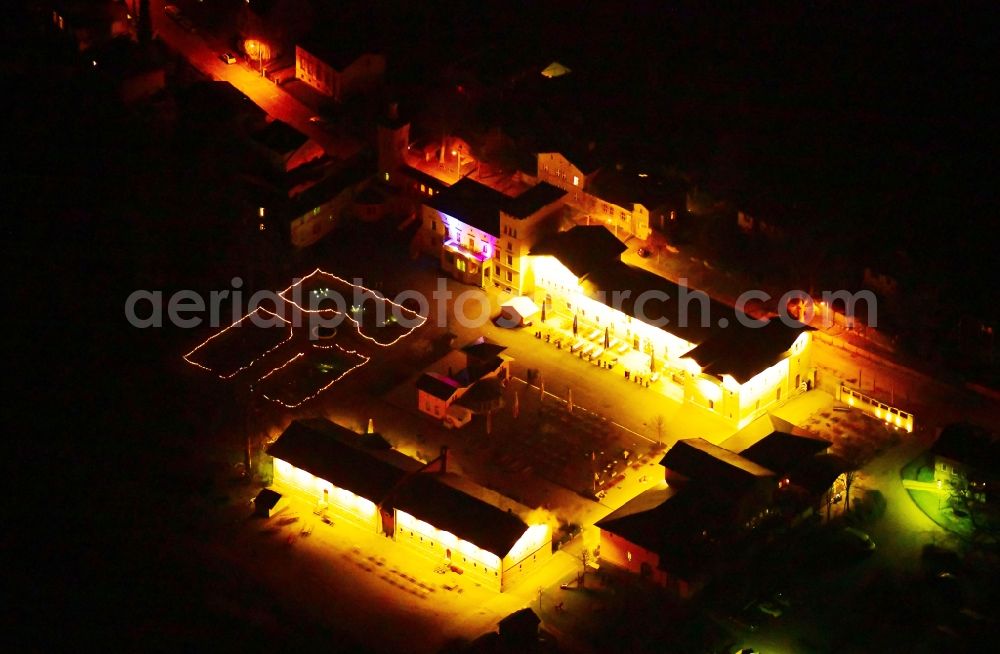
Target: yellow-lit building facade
x,y
417,505
738,372
742,402
483,237
339,501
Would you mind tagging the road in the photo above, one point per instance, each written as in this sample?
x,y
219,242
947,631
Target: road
x,y
268,96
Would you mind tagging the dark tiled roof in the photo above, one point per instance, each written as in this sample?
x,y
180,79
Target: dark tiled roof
x,y
420,176
340,43
742,351
475,204
816,474
353,173
321,448
266,499
535,198
483,350
783,452
685,320
625,188
700,461
280,137
427,498
672,524
582,249
439,386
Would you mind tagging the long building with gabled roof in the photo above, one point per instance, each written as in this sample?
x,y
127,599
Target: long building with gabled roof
x,y
437,514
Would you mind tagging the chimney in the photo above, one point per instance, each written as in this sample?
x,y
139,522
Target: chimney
x,y
444,459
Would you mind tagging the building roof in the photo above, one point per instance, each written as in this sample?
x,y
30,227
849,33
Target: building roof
x,y
523,620
475,204
342,42
439,386
670,524
783,452
483,350
354,172
427,497
278,136
743,351
816,474
421,177
699,460
969,444
266,499
661,300
534,199
582,249
625,188
322,448
584,159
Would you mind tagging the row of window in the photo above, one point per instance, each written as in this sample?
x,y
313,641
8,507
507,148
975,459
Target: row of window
x,y
431,543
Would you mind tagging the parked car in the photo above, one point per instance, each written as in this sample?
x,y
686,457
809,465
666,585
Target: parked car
x,y
769,608
859,539
172,11
228,57
318,120
643,252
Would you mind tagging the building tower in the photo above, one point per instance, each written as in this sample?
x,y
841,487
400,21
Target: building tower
x,y
393,140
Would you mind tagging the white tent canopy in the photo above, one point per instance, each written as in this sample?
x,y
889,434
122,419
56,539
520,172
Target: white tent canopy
x,y
518,310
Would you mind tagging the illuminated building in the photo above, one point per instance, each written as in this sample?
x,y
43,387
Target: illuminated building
x,y
675,536
483,236
437,391
317,209
711,354
678,535
744,371
335,71
437,515
966,453
571,173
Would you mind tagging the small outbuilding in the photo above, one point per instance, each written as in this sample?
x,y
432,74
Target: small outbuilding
x,y
267,503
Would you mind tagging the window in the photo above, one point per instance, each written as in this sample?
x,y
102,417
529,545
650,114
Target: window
x,y
576,180
434,226
460,264
423,189
387,177
510,260
510,277
510,246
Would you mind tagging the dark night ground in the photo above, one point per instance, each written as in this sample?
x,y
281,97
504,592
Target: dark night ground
x,y
102,423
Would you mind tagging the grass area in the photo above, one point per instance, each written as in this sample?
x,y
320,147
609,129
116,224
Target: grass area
x,y
935,506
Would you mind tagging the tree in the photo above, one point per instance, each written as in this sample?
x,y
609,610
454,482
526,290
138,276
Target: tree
x,y
658,422
849,477
969,500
